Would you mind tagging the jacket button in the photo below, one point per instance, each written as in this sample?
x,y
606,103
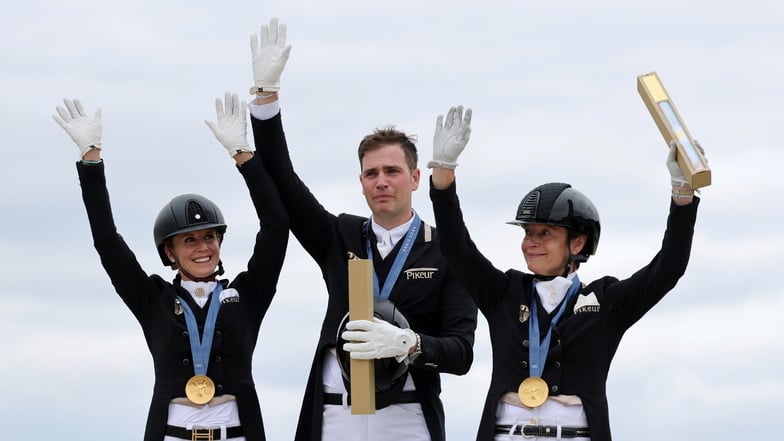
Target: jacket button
x,y
554,388
558,342
219,387
524,364
217,333
184,333
218,359
185,361
557,364
525,343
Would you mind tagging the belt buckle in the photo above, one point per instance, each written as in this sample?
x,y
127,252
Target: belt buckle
x,y
522,431
205,434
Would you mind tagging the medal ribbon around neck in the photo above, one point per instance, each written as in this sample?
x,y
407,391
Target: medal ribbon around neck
x,y
200,348
537,354
397,265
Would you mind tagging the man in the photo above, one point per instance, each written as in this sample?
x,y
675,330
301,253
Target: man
x,y
412,276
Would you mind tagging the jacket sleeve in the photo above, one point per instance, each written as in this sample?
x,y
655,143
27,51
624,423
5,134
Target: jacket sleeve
x,y
633,297
482,280
310,222
269,250
129,279
451,349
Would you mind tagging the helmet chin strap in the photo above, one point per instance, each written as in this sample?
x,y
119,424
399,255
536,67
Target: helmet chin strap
x,y
566,271
209,278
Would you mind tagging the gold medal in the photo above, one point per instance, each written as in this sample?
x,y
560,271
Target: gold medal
x,y
533,392
200,389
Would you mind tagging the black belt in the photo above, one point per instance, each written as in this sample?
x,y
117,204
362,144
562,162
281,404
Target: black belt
x,y
531,431
402,397
202,434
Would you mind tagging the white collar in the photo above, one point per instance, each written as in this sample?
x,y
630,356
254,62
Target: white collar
x,y
552,292
200,291
395,234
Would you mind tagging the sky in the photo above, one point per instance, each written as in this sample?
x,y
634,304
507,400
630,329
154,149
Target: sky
x,y
552,85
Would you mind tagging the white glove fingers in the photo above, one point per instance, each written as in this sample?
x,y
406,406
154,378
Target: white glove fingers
x,y
219,110
273,31
467,118
282,31
228,101
64,116
359,325
98,118
355,336
458,116
254,44
263,36
450,116
69,104
60,121
79,108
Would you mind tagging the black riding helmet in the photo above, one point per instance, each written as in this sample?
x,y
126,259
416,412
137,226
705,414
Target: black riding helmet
x,y
186,212
390,374
559,204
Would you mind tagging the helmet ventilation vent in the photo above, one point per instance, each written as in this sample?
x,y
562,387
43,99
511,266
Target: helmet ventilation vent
x,y
195,213
529,207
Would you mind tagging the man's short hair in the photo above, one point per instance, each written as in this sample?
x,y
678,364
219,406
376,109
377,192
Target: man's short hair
x,y
390,135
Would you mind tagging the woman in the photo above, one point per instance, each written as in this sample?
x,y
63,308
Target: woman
x,y
553,337
200,330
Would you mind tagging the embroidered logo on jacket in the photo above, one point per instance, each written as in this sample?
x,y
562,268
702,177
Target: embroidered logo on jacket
x,y
587,303
420,273
229,296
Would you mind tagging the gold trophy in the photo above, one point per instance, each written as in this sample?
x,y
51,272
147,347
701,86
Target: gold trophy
x,y
690,158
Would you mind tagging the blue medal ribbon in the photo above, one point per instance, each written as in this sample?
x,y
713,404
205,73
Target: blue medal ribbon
x,y
200,347
397,265
537,354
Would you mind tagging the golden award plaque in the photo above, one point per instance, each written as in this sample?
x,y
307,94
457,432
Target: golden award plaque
x,y
533,392
200,389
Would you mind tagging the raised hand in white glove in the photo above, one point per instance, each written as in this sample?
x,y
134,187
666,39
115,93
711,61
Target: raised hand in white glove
x,y
377,339
85,133
232,126
450,138
270,54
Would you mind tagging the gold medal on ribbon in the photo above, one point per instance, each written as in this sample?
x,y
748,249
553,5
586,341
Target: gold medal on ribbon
x,y
200,389
533,391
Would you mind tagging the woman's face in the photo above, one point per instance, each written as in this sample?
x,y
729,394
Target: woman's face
x,y
545,249
196,252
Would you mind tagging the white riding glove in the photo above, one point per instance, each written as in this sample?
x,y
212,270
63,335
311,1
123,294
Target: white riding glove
x,y
270,55
232,126
85,133
377,339
676,174
450,138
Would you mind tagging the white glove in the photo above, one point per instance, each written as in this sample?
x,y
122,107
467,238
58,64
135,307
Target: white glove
x,y
85,133
676,174
232,127
377,339
450,138
270,55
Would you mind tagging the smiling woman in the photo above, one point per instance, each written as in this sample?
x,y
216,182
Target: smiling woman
x,y
200,330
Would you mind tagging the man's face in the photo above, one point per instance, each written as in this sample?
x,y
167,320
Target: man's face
x,y
387,184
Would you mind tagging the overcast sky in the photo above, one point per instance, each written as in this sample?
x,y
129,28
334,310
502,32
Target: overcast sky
x,y
553,88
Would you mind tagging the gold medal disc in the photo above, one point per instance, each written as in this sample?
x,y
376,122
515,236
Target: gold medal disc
x,y
533,391
200,389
